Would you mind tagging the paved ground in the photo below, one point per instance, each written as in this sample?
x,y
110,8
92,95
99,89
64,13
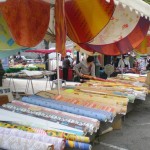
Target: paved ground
x,y
135,133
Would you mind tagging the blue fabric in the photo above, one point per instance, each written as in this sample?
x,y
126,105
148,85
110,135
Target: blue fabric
x,y
79,145
71,108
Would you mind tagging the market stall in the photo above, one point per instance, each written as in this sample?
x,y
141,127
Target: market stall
x,y
52,119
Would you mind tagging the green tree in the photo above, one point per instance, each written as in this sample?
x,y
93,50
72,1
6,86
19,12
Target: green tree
x,y
147,1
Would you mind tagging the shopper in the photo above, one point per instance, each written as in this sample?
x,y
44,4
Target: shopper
x,y
85,67
124,63
148,66
66,65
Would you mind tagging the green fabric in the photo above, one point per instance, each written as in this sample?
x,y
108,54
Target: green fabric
x,y
6,41
8,46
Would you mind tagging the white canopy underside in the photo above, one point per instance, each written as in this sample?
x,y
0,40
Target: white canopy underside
x,y
137,6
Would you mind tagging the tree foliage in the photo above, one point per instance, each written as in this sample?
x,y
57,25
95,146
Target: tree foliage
x,y
147,1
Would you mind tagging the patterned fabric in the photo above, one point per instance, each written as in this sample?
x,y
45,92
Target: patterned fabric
x,y
115,87
92,125
102,99
8,45
124,45
41,115
6,41
90,103
131,96
78,145
52,133
16,143
60,26
29,27
122,24
63,106
82,25
8,115
58,143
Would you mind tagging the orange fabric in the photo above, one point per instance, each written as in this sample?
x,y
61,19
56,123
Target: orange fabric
x,y
144,47
60,27
28,20
86,18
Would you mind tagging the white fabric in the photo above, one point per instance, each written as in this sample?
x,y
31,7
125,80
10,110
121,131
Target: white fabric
x,y
122,24
124,62
33,121
138,6
32,73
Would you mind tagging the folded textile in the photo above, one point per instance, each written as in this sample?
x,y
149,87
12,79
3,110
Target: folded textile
x,y
14,143
91,124
63,106
58,143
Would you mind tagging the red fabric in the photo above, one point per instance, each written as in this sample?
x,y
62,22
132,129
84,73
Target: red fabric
x,y
28,20
60,27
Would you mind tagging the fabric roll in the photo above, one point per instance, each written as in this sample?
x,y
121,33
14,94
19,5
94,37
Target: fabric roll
x,y
59,143
63,106
129,95
41,115
73,143
14,143
91,100
108,114
86,103
31,121
78,145
92,125
52,133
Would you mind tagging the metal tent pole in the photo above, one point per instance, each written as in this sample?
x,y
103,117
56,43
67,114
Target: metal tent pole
x,y
58,77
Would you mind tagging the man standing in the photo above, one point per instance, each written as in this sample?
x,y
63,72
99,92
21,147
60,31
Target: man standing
x,y
86,67
1,73
66,65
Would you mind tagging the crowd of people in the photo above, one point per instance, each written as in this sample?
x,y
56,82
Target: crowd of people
x,y
89,65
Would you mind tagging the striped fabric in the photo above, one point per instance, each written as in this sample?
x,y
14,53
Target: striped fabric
x,y
82,25
67,107
124,45
60,26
